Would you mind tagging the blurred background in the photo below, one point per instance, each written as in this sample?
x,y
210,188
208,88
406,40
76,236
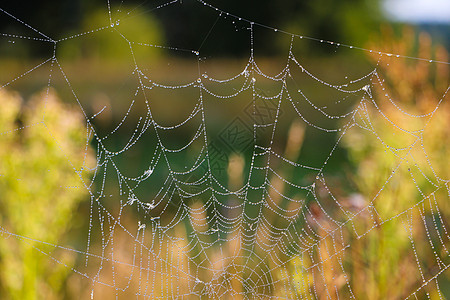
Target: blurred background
x,y
94,83
351,22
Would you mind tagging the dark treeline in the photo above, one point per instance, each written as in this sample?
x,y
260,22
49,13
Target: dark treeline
x,y
186,23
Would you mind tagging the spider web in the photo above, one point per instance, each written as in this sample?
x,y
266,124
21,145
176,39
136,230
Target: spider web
x,y
213,193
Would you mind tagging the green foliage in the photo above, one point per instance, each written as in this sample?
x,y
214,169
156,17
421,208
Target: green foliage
x,y
111,38
396,234
341,21
43,157
399,170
